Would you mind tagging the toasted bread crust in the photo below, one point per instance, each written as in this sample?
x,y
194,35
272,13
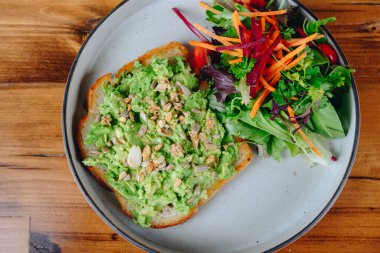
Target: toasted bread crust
x,y
169,50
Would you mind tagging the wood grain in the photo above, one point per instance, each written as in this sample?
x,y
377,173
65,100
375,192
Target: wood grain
x,y
39,200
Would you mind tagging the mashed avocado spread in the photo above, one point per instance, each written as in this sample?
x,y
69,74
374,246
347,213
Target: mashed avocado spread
x,y
160,144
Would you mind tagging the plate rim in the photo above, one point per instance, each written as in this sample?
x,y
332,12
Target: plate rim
x,y
108,221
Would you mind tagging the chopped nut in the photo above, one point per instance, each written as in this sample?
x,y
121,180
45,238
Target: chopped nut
x,y
201,168
197,189
121,140
195,128
124,176
146,153
165,132
162,86
177,182
114,140
154,84
127,100
194,139
122,119
210,146
154,117
167,107
131,116
210,123
142,130
173,95
94,152
202,137
191,200
178,106
105,150
161,123
124,114
169,116
186,91
196,111
182,119
106,120
134,157
150,166
143,116
154,108
190,158
177,150
158,147
210,159
140,176
109,143
159,160
129,108
170,167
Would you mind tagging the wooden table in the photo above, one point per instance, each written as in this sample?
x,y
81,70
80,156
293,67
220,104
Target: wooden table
x,y
42,209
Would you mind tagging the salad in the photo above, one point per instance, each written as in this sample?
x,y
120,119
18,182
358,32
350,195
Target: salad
x,y
272,77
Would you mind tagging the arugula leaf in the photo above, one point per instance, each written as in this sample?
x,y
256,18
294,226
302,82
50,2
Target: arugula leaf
x,y
326,121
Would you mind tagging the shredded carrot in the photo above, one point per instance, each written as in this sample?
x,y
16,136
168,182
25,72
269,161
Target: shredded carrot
x,y
296,61
263,24
275,79
274,35
303,135
286,58
209,8
236,22
265,84
280,55
262,14
259,102
235,61
281,46
298,42
213,48
223,40
294,98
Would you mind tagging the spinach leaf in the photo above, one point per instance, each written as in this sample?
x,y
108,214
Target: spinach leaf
x,y
326,121
247,132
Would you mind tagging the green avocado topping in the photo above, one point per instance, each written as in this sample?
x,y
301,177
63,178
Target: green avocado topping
x,y
160,144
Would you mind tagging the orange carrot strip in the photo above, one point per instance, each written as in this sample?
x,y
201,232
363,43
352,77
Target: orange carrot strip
x,y
235,61
259,102
213,48
263,24
262,14
281,46
265,84
294,98
287,57
275,79
236,22
288,65
298,42
213,35
209,8
296,61
280,55
303,135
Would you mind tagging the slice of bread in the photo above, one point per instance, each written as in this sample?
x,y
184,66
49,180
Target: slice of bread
x,y
95,95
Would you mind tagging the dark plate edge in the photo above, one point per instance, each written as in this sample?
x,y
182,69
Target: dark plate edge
x,y
139,244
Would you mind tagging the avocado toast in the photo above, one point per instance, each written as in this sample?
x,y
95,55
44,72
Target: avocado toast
x,y
150,137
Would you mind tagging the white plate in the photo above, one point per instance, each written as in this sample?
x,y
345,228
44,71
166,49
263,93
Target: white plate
x,y
266,207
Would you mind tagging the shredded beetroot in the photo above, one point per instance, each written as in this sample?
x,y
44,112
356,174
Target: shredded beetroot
x,y
253,76
241,46
189,25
